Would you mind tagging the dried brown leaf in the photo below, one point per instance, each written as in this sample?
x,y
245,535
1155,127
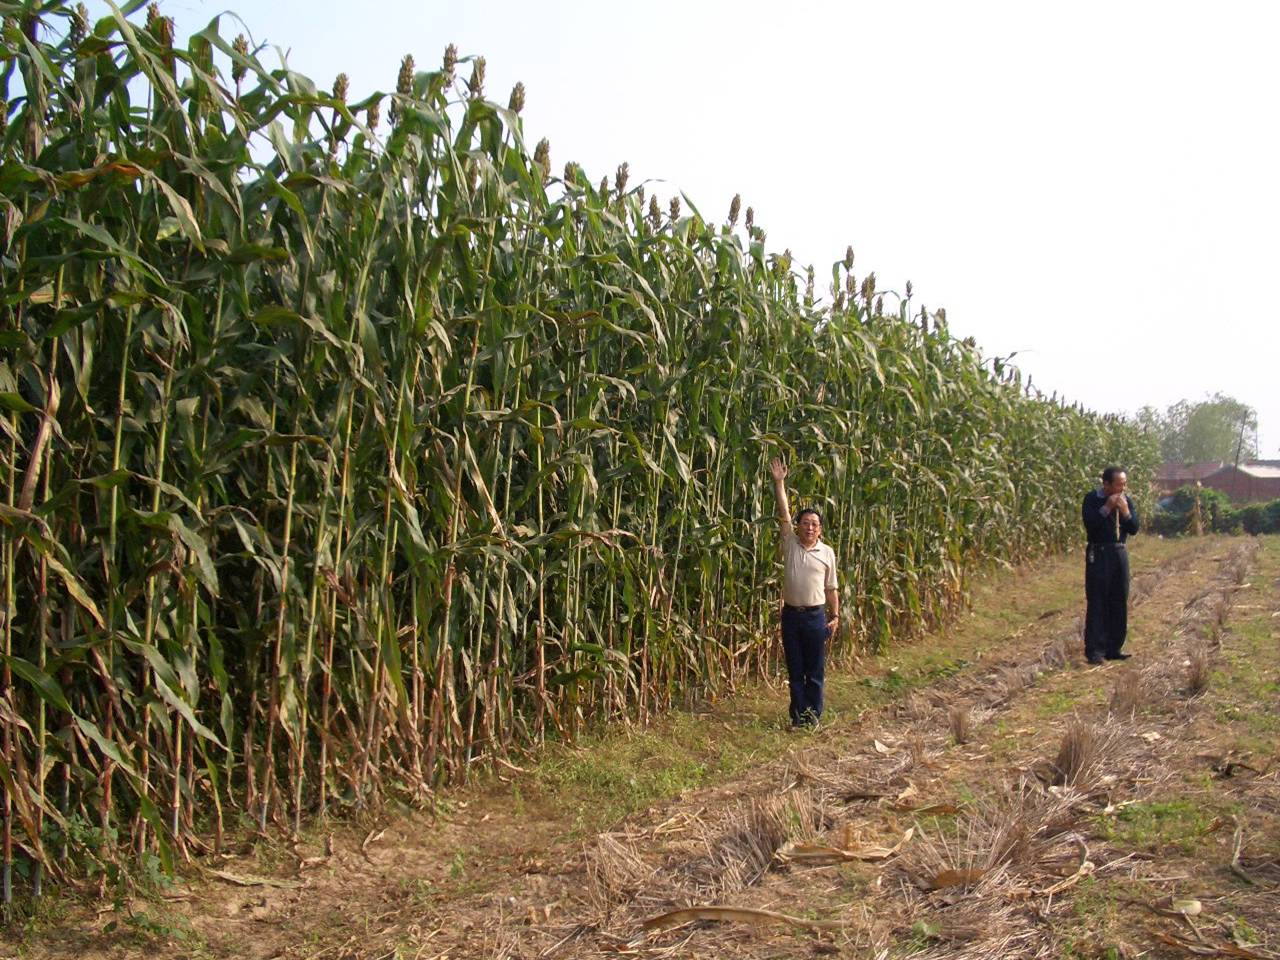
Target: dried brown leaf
x,y
676,918
954,878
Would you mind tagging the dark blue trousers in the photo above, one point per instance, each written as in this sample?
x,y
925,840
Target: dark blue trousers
x,y
1106,591
804,641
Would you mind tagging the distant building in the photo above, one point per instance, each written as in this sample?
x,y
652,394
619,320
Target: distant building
x,y
1251,482
1172,476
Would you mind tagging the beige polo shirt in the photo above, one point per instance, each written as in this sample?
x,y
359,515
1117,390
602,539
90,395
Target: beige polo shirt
x,y
807,575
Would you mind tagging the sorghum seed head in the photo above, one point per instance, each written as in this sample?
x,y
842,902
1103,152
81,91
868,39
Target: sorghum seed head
x,y
839,301
79,25
604,189
751,218
159,27
880,305
476,83
570,172
735,205
848,258
542,157
655,215
449,67
241,46
620,178
373,115
674,208
404,80
640,195
850,284
940,316
908,288
340,86
516,102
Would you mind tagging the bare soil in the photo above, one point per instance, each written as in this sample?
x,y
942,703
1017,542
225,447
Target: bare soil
x,y
979,792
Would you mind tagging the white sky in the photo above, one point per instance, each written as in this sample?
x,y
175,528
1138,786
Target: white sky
x,y
1095,186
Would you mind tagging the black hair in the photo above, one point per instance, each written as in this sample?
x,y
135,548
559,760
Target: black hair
x,y
1109,473
801,515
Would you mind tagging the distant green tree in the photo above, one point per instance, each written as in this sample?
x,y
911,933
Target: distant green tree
x,y
1216,428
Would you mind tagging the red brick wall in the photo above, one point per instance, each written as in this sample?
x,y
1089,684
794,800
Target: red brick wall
x,y
1242,488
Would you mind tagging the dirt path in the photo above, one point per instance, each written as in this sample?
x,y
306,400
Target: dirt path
x,y
982,793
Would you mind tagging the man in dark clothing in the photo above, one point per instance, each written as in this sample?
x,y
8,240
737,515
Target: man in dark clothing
x,y
1109,518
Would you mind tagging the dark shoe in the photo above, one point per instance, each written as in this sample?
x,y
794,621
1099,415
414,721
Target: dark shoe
x,y
807,721
1119,656
1094,661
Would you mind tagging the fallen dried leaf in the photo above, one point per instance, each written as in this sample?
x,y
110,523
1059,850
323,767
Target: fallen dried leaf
x,y
818,854
250,881
931,809
1188,908
1210,950
676,918
863,795
954,878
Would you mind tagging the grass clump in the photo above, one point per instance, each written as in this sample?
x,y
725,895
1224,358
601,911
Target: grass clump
x,y
1078,754
960,722
1198,671
1126,695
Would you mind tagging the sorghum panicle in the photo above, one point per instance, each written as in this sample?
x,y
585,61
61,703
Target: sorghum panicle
x,y
449,67
476,83
542,158
241,46
79,25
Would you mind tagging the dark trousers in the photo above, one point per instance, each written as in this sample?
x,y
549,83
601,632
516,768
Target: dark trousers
x,y
804,641
1106,593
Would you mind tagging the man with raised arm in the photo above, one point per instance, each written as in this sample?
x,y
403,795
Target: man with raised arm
x,y
1109,518
810,603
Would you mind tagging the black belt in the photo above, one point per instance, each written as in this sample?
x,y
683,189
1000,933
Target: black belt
x,y
1102,543
816,606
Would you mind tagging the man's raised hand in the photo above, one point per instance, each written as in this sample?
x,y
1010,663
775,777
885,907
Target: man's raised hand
x,y
778,469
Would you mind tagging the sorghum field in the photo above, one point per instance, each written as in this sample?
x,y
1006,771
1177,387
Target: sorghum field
x,y
351,446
